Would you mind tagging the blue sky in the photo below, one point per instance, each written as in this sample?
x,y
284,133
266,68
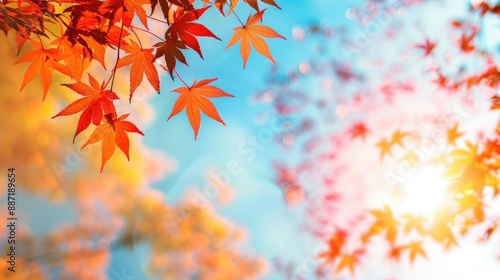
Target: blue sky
x,y
259,207
272,227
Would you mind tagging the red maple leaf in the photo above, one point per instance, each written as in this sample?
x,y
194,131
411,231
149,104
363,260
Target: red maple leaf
x,y
184,29
427,47
96,102
358,130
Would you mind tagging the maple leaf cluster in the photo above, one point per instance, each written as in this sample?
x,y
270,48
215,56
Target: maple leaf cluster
x,y
111,214
69,36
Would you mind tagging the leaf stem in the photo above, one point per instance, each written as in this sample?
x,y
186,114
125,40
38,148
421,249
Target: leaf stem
x,y
40,39
149,32
139,40
179,76
238,19
117,58
158,20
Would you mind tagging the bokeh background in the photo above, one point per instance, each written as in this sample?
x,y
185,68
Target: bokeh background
x,y
214,208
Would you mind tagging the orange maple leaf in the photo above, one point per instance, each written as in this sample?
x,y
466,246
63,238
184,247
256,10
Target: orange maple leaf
x,y
142,63
125,10
413,222
194,99
453,134
349,262
73,56
252,33
440,230
385,220
44,62
415,249
385,148
95,103
255,5
397,138
221,3
113,133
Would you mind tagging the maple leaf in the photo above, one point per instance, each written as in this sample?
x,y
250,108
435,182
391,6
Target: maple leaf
x,y
397,138
113,133
335,245
219,4
415,249
142,63
137,7
492,9
427,47
251,33
468,201
453,134
347,261
490,77
184,4
385,148
413,222
171,50
20,41
466,42
117,10
395,252
255,5
440,231
384,221
166,6
495,103
461,159
194,99
96,102
72,56
185,29
472,178
44,62
442,80
98,50
358,130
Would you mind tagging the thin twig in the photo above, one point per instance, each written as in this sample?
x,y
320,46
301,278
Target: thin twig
x,y
117,57
139,40
179,76
238,19
149,32
158,20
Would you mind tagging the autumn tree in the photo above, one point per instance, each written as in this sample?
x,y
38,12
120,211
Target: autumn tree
x,y
77,39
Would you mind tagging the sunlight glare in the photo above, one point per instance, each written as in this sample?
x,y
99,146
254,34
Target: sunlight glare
x,y
424,191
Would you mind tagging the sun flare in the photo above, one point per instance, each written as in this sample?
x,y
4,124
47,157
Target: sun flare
x,y
424,191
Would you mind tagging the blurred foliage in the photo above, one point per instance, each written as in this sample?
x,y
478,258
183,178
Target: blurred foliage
x,y
116,209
